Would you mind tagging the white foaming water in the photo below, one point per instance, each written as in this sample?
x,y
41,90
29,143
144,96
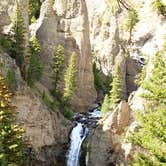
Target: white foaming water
x,y
77,136
95,114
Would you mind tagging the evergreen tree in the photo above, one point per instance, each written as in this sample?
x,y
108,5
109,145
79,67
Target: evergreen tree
x,y
116,94
156,86
12,146
58,62
105,105
36,66
18,39
11,81
151,136
34,10
131,20
70,78
159,6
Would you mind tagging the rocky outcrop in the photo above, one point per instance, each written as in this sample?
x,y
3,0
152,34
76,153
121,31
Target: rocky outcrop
x,y
147,39
105,143
109,42
47,132
67,25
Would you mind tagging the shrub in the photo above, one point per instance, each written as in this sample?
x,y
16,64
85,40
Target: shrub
x,y
131,20
11,81
6,44
105,105
151,137
70,78
58,64
139,79
101,83
12,146
36,66
159,6
97,79
114,5
34,10
67,113
116,93
18,38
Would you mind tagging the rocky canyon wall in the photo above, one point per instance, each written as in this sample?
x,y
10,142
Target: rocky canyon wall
x,y
108,38
66,23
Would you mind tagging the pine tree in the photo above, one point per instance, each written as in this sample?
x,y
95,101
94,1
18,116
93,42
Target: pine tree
x,y
116,94
36,66
12,146
11,81
152,134
70,78
105,105
58,62
34,10
156,86
131,20
18,37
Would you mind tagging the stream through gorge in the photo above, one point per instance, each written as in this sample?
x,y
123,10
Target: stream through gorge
x,y
84,123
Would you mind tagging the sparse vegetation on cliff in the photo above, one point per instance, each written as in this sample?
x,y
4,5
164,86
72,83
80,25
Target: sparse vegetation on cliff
x,y
11,81
116,91
151,137
70,78
106,105
131,21
34,10
58,64
18,39
36,66
12,146
159,6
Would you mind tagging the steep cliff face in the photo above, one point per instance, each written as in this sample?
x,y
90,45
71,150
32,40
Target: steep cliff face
x,y
146,40
47,132
67,24
6,13
109,43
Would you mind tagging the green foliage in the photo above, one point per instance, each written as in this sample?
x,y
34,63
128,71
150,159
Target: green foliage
x,y
114,5
70,78
156,85
97,78
159,6
116,94
164,44
106,105
131,20
151,136
47,101
18,37
101,83
12,146
6,44
36,66
52,2
67,112
139,79
11,81
58,63
34,10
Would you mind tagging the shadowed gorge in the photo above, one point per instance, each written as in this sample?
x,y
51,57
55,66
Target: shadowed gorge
x,y
82,82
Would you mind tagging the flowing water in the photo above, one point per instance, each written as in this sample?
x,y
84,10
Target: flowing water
x,y
79,133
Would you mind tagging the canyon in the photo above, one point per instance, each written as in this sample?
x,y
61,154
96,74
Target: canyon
x,y
97,35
